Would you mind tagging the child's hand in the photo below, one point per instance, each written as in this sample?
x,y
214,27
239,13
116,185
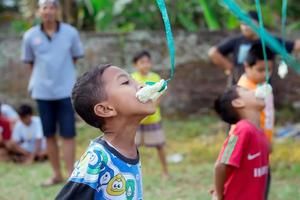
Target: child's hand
x,y
151,92
214,195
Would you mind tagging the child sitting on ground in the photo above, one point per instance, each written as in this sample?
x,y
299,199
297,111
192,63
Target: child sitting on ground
x,y
105,98
27,143
5,134
150,132
242,166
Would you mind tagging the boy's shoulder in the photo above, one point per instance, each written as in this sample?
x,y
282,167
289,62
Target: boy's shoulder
x,y
88,167
245,127
245,82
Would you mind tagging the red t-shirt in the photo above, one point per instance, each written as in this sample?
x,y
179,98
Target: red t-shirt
x,y
247,151
5,130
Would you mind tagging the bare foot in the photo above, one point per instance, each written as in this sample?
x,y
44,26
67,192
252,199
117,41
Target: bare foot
x,y
52,181
29,160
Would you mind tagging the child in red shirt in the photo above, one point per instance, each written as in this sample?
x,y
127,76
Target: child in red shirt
x,y
242,166
5,134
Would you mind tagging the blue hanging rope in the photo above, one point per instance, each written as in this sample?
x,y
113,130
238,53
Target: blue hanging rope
x,y
169,36
261,25
283,21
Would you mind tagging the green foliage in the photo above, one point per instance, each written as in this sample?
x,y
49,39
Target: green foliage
x,y
192,15
209,15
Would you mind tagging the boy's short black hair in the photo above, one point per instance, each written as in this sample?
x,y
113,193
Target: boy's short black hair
x,y
87,92
223,106
141,54
25,110
253,15
256,54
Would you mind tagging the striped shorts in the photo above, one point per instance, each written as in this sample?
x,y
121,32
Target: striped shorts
x,y
150,135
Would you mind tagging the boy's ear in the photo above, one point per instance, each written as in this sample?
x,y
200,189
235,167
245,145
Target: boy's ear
x,y
238,103
105,110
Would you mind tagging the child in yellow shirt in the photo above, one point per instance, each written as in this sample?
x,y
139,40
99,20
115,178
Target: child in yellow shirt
x,y
150,132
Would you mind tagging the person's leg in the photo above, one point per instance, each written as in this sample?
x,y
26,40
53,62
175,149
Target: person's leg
x,y
154,137
53,154
66,120
4,156
163,161
47,110
18,153
16,148
69,154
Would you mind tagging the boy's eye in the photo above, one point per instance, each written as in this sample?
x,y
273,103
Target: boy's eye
x,y
125,82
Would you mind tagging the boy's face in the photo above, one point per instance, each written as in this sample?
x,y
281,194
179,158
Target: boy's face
x,y
121,93
48,12
247,31
26,120
143,65
257,73
248,99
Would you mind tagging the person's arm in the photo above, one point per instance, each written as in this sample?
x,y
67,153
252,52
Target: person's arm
x,y
1,137
27,54
37,148
39,135
76,48
29,66
218,54
220,60
220,175
296,46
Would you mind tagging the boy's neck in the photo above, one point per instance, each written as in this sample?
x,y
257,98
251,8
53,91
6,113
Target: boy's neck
x,y
120,132
253,117
144,73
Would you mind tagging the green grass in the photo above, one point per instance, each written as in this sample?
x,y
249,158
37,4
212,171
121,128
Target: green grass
x,y
198,140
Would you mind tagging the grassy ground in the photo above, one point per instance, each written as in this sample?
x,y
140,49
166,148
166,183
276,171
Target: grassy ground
x,y
198,140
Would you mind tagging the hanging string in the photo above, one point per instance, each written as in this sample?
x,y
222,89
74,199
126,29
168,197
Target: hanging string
x,y
261,25
268,38
283,21
169,36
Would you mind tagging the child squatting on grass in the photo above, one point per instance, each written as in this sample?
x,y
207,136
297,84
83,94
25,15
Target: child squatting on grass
x,y
105,98
241,169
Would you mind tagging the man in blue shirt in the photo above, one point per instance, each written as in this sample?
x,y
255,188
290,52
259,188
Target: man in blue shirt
x,y
51,50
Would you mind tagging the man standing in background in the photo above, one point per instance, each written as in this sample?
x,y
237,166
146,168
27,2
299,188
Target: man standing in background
x,y
238,46
51,49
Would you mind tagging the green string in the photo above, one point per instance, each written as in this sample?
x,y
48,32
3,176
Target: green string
x,y
283,21
268,38
261,25
169,36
